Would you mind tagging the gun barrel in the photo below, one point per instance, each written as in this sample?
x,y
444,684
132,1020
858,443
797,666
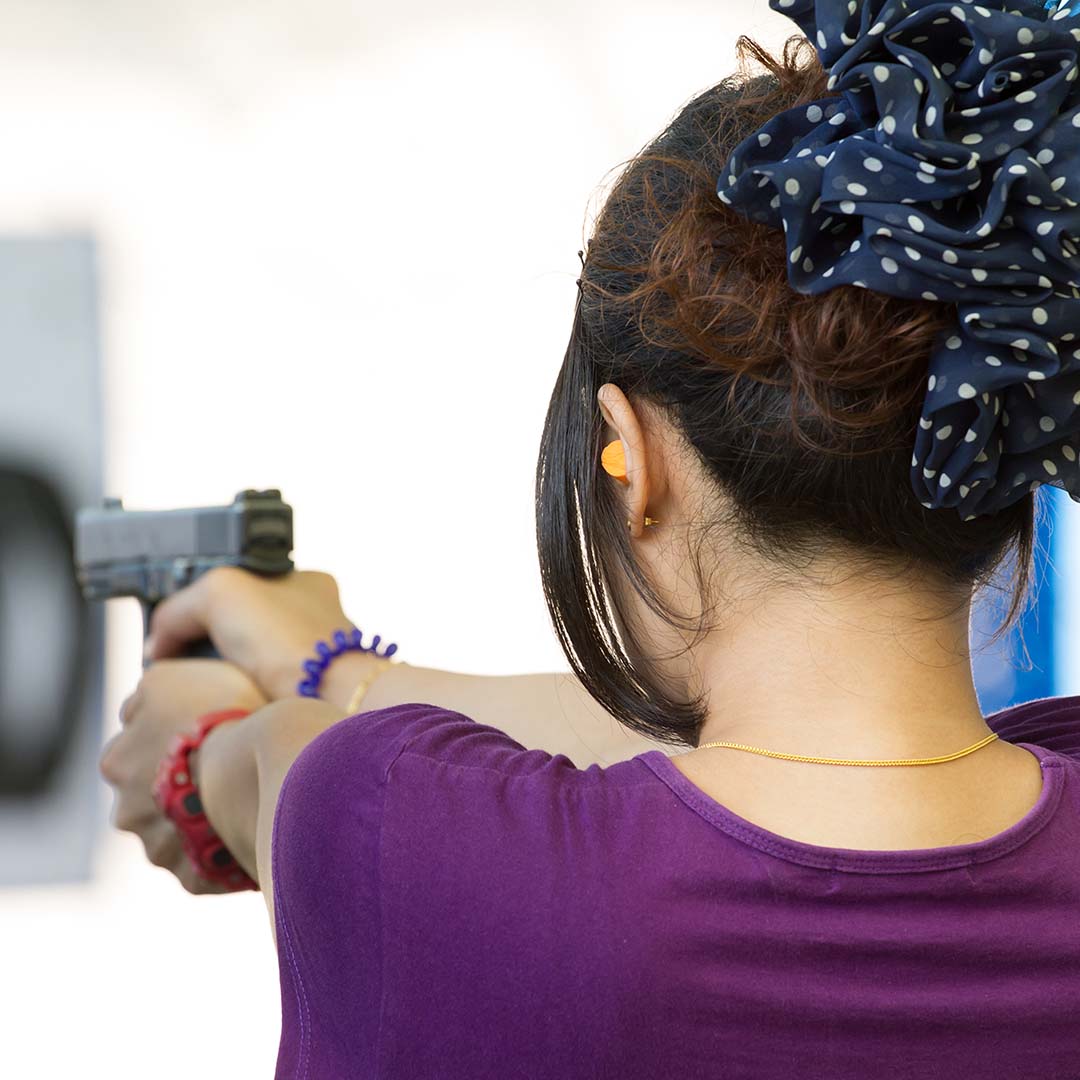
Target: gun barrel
x,y
153,553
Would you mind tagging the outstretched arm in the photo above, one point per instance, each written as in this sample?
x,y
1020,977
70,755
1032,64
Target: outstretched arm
x,y
269,626
549,711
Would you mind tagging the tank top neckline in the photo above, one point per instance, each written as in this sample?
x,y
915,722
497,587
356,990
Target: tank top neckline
x,y
854,860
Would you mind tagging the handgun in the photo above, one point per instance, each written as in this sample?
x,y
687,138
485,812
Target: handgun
x,y
151,554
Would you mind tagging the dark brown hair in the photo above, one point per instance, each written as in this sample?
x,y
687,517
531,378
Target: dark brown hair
x,y
801,409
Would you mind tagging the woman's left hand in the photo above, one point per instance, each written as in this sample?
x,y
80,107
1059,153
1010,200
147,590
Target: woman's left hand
x,y
168,701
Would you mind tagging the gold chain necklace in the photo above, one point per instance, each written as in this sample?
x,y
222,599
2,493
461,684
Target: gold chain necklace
x,y
847,761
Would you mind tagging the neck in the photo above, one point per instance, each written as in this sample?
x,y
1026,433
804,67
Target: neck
x,y
848,672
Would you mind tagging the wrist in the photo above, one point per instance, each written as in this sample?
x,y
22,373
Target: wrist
x,y
195,756
343,676
338,672
223,771
185,792
283,682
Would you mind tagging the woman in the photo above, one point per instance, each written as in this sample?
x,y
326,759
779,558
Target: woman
x,y
458,885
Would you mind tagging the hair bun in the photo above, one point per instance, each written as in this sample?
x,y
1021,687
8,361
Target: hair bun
x,y
947,168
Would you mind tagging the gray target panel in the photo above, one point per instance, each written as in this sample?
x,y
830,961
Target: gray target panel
x,y
51,642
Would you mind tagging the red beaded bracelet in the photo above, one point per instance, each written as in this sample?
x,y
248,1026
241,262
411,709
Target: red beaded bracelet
x,y
176,797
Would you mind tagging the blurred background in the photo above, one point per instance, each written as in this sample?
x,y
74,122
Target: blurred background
x,y
329,248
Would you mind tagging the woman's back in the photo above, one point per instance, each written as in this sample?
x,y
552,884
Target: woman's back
x,y
449,904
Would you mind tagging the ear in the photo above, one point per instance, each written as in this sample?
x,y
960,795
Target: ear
x,y
623,424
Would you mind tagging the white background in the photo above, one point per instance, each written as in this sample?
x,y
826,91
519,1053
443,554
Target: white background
x,y
338,250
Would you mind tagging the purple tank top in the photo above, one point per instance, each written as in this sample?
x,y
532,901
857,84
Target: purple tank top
x,y
452,905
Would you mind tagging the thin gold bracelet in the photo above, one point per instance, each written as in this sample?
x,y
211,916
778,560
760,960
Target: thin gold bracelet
x,y
358,694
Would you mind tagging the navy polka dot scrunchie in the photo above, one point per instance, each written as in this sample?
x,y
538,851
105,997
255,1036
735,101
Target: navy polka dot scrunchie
x,y
947,168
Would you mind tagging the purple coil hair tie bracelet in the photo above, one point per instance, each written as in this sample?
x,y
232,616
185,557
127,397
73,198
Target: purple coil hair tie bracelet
x,y
343,641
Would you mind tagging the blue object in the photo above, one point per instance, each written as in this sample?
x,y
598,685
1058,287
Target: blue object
x,y
344,641
945,167
1026,665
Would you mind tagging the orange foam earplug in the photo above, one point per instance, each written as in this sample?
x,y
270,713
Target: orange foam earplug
x,y
614,461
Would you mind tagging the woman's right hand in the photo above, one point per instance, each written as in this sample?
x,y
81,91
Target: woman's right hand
x,y
267,626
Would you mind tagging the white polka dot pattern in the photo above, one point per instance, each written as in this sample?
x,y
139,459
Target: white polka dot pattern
x,y
946,168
